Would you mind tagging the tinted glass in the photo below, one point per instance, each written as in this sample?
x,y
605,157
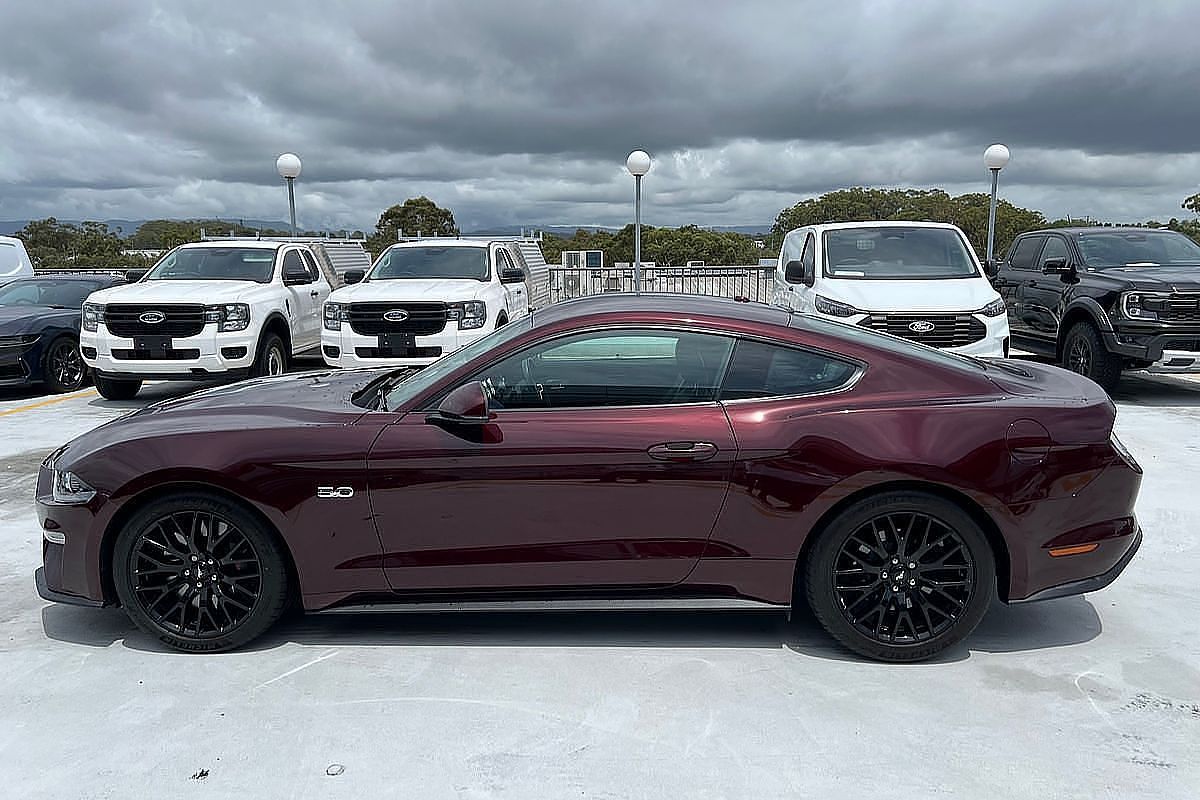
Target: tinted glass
x,y
766,370
611,368
808,259
293,264
313,271
432,262
1056,247
1025,252
60,294
897,252
215,264
1137,248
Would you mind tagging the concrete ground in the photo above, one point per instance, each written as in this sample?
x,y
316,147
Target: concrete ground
x,y
1087,697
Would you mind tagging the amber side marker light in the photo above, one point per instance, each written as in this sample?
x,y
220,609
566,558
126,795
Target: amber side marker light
x,y
1073,550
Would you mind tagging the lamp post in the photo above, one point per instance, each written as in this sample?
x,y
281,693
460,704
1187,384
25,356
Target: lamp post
x,y
994,158
288,165
638,164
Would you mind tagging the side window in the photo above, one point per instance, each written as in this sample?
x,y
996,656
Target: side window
x,y
1056,247
1025,252
767,370
310,264
292,262
611,368
809,257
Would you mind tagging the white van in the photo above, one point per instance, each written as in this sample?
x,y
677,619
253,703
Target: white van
x,y
425,298
916,280
14,261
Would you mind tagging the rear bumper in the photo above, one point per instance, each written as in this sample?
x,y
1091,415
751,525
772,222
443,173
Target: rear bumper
x,y
1092,584
46,593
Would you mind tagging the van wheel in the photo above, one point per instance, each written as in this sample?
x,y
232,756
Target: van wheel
x,y
62,367
1084,352
116,389
272,357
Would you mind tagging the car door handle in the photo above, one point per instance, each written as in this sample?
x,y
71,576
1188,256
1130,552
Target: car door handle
x,y
314,294
683,451
1031,282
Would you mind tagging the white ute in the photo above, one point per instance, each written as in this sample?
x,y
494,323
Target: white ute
x,y
14,261
916,280
425,298
208,310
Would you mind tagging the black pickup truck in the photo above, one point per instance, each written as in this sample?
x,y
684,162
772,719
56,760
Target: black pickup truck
x,y
1102,300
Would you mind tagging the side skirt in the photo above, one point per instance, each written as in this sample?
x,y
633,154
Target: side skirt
x,y
599,604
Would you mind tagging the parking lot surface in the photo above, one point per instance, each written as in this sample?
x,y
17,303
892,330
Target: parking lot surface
x,y
1085,697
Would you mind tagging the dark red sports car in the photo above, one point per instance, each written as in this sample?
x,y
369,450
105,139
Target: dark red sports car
x,y
621,451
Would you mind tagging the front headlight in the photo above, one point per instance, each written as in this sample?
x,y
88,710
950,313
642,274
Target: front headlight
x,y
471,314
334,315
994,308
1133,305
93,315
229,317
69,490
834,308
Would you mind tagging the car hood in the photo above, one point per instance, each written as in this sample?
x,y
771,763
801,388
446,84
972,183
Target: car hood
x,y
959,294
1162,279
410,289
20,320
179,292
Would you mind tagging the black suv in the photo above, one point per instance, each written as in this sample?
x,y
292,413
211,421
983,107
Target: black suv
x,y
1101,300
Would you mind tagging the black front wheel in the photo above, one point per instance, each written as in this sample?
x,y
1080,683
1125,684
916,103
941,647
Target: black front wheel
x,y
116,388
63,368
272,358
1084,352
199,573
900,576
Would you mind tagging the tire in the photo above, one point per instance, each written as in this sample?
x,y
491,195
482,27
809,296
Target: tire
x,y
872,619
271,359
501,321
63,369
241,583
117,389
1084,353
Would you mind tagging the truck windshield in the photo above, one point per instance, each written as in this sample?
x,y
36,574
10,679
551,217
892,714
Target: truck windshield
x,y
1137,249
432,262
897,253
215,264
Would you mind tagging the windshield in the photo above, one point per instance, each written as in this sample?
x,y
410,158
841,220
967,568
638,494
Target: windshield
x,y
53,293
432,262
409,387
215,264
897,253
1137,249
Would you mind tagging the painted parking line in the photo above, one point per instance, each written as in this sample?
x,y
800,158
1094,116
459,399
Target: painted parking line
x,y
50,401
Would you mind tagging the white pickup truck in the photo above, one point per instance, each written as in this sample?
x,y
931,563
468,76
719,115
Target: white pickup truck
x,y
14,261
424,298
208,310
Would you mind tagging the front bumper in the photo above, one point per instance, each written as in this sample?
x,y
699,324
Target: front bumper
x,y
347,349
21,364
208,354
1173,350
46,593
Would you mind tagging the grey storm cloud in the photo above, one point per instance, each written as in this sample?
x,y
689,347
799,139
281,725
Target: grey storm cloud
x,y
520,112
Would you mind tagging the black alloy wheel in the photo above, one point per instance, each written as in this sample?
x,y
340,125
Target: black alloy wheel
x,y
901,576
200,573
1084,353
64,370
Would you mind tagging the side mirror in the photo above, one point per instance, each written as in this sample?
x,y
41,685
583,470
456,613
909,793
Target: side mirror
x,y
352,276
512,275
135,275
466,405
296,277
1056,266
991,268
793,272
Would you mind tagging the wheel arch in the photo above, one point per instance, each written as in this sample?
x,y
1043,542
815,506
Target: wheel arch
x,y
277,324
1083,309
192,485
968,504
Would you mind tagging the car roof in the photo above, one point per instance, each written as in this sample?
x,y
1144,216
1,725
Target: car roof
x,y
444,242
259,243
68,276
1076,230
625,303
883,223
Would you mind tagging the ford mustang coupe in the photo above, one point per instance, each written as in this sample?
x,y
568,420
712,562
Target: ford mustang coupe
x,y
648,451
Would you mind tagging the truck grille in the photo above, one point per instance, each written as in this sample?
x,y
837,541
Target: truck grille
x,y
423,319
1176,308
179,321
948,330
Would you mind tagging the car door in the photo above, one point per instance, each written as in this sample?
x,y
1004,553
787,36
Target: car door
x,y
605,464
518,300
1041,297
1012,276
318,293
300,303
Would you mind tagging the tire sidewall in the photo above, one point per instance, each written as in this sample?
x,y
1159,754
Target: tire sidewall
x,y
261,360
266,610
818,574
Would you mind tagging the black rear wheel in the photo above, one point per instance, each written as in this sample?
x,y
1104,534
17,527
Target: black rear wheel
x,y
199,573
63,369
900,576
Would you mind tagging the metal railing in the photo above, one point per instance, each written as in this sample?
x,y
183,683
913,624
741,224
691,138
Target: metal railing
x,y
750,282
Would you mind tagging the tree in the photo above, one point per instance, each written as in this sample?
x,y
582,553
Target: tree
x,y
416,215
163,234
51,243
1192,203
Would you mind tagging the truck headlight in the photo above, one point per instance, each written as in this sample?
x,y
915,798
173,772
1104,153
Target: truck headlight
x,y
93,315
229,317
834,308
69,490
335,314
1133,305
994,308
471,314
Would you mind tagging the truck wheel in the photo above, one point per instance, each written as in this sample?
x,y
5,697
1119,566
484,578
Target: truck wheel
x,y
501,321
1084,352
116,389
62,367
272,357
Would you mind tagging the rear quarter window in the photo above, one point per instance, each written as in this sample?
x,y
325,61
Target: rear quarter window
x,y
762,370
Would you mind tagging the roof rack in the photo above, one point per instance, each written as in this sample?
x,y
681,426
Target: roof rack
x,y
257,237
525,236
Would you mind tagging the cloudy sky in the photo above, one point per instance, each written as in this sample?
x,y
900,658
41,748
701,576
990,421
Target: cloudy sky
x,y
521,111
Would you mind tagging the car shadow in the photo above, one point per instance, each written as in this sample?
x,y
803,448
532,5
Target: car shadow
x,y
1005,629
1145,389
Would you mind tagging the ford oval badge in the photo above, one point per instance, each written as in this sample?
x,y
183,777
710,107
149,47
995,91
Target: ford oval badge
x,y
396,315
152,317
921,326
